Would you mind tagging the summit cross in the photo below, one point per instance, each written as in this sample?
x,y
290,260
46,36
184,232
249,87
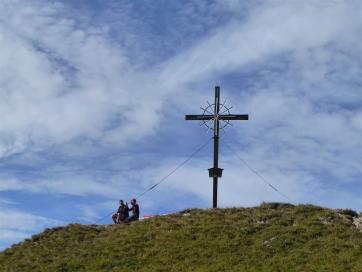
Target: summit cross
x,y
214,115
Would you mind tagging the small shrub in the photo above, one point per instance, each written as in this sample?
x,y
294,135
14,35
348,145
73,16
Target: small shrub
x,y
275,205
348,212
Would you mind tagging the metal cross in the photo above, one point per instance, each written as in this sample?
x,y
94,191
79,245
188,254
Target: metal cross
x,y
216,117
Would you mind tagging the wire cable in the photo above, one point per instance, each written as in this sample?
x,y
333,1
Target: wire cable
x,y
176,168
168,175
104,217
257,173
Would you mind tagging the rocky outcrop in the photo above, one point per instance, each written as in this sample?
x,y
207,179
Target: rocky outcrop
x,y
357,221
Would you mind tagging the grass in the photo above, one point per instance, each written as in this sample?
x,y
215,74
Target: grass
x,y
271,237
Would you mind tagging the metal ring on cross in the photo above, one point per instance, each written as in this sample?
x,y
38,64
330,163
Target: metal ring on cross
x,y
210,110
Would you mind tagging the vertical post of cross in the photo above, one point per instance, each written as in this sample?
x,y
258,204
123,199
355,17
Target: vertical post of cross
x,y
215,172
216,146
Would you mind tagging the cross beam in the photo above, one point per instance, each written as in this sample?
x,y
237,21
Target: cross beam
x,y
216,172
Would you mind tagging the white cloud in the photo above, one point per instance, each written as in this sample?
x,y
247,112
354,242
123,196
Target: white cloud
x,y
12,219
238,186
12,235
70,185
61,80
97,214
305,99
16,225
272,29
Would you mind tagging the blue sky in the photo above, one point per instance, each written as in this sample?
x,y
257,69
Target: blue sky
x,y
94,93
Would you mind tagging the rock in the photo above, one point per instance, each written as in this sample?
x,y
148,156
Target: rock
x,y
324,220
357,221
267,242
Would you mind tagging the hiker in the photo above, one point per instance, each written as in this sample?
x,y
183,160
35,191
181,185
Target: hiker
x,y
121,214
125,213
135,211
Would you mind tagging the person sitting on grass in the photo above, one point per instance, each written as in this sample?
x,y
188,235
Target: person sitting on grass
x,y
135,211
121,214
125,213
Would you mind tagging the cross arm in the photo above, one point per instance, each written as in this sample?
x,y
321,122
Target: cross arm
x,y
234,117
199,117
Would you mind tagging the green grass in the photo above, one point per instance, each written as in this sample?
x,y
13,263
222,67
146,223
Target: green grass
x,y
271,237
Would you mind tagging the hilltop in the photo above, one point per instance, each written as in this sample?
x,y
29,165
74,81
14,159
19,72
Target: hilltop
x,y
270,237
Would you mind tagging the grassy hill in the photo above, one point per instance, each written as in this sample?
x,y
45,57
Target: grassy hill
x,y
271,237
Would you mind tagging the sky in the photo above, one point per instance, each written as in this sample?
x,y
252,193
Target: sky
x,y
93,97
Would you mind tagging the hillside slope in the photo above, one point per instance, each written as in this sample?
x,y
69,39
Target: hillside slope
x,y
271,237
